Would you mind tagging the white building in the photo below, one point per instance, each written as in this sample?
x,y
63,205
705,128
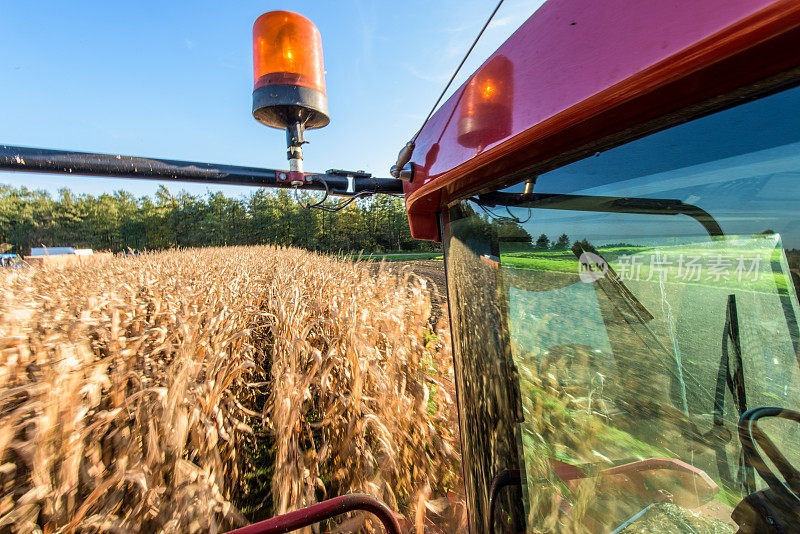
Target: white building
x,y
58,251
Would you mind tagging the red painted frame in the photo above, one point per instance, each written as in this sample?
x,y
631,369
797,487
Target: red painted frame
x,y
584,72
316,513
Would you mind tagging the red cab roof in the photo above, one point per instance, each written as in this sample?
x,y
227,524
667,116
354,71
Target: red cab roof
x,y
578,73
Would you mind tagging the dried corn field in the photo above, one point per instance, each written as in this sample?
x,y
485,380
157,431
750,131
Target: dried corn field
x,y
196,390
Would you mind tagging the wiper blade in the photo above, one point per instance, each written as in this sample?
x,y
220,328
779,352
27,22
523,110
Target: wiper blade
x,y
636,317
603,204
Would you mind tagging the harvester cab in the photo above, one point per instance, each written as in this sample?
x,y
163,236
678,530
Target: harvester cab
x,y
616,193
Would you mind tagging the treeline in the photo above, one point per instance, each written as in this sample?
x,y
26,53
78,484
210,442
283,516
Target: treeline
x,y
119,221
562,243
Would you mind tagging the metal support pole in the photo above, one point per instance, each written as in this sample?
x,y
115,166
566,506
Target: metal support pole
x,y
294,152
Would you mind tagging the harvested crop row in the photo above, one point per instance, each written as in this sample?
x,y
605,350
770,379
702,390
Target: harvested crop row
x,y
167,392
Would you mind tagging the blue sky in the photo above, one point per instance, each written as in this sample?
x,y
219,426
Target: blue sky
x,y
174,80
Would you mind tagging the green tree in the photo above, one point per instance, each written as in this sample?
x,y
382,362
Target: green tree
x,y
512,231
543,242
119,221
562,243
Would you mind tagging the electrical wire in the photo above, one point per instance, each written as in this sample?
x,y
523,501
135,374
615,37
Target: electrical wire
x,y
342,205
308,205
463,60
502,219
516,219
320,205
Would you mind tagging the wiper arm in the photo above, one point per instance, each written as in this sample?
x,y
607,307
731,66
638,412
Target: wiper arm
x,y
604,204
635,315
735,384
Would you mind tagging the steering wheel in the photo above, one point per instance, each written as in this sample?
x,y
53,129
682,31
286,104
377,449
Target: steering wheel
x,y
750,436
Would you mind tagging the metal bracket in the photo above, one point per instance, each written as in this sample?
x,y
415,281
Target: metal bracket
x,y
351,177
354,174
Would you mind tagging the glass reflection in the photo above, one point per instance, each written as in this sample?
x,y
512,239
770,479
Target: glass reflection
x,y
610,359
486,103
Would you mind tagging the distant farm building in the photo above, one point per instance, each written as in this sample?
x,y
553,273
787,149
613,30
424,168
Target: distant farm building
x,y
59,251
61,256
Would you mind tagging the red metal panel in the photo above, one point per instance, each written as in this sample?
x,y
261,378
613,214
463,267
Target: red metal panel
x,y
573,60
319,512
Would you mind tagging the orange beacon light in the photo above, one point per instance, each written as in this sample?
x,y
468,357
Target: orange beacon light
x,y
289,78
486,103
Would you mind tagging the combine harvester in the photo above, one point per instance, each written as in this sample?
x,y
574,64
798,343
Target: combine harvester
x,y
648,378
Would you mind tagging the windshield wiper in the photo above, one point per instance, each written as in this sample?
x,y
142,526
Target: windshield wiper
x,y
735,384
635,315
603,204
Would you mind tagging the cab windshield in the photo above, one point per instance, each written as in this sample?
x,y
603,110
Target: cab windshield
x,y
614,319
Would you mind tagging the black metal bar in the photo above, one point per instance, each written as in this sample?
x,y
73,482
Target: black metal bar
x,y
24,159
647,206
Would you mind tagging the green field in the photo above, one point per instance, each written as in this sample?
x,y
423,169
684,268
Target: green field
x,y
729,264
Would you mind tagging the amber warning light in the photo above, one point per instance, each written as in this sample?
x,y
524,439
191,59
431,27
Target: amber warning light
x,y
289,78
485,113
